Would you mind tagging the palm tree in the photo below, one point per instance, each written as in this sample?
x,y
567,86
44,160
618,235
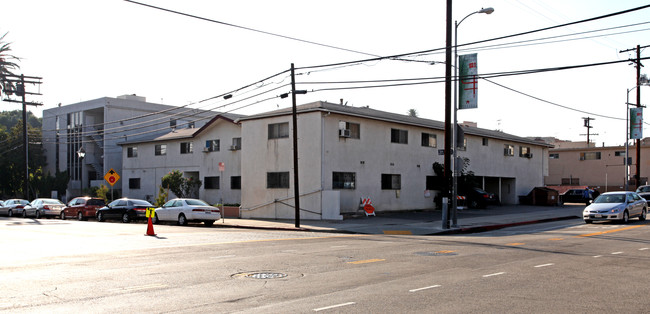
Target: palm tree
x,y
7,65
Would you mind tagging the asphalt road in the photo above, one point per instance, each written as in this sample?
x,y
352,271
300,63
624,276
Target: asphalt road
x,y
54,266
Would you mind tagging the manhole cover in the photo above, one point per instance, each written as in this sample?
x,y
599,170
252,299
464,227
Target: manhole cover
x,y
266,275
437,253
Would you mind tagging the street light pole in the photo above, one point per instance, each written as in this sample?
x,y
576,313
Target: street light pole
x,y
81,153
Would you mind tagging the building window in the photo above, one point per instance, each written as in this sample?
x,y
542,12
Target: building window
x,y
353,129
235,183
508,150
211,183
391,181
524,151
590,156
134,183
277,180
399,136
464,147
161,149
186,148
131,152
343,180
278,130
554,156
429,140
212,145
236,143
570,181
485,141
620,153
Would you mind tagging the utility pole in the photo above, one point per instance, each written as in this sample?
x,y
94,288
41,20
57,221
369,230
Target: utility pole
x,y
448,110
20,82
637,177
588,126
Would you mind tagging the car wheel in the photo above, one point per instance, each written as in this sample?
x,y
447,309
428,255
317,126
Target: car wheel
x,y
62,215
587,221
9,213
80,216
24,213
182,221
100,217
208,223
643,215
126,218
155,219
626,217
38,214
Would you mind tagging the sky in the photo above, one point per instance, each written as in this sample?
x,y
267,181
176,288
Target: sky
x,y
86,50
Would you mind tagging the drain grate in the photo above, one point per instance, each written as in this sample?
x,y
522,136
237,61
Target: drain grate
x,y
266,275
437,253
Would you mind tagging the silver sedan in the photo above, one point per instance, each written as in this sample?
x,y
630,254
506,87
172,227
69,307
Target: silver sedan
x,y
616,206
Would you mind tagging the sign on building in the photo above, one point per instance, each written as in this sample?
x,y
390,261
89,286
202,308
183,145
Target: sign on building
x,y
468,84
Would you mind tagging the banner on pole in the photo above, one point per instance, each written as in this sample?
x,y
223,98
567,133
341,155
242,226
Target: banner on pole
x,y
636,123
468,79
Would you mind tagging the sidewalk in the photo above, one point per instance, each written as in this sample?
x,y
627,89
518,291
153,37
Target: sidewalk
x,y
420,222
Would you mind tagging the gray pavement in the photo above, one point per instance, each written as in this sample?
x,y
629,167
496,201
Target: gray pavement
x,y
420,222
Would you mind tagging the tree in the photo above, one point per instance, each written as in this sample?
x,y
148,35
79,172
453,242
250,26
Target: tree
x,y
12,167
161,199
7,65
412,113
179,185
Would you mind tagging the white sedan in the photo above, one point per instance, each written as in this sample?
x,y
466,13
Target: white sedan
x,y
183,210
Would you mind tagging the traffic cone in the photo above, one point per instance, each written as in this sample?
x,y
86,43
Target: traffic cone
x,y
150,228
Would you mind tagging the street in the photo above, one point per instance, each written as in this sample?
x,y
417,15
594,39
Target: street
x,y
55,266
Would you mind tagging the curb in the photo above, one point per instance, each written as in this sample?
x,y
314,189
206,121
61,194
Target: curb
x,y
479,229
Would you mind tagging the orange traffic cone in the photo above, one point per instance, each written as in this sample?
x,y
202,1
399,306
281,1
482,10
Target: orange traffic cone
x,y
150,228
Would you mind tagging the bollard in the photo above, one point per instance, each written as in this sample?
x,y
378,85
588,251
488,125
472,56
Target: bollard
x,y
445,213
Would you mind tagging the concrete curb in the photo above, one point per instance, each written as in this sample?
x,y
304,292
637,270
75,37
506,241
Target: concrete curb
x,y
479,229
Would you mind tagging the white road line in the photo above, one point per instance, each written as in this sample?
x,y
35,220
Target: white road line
x,y
495,274
425,288
222,256
333,306
616,253
643,249
337,246
544,265
598,256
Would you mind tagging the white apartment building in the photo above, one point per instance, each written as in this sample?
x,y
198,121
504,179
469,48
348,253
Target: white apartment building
x,y
211,154
346,153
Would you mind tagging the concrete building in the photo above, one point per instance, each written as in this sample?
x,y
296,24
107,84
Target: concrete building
x,y
197,152
346,153
97,126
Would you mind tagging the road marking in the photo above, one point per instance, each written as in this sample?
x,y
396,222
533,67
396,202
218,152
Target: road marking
x,y
333,306
598,256
445,252
222,256
367,261
643,249
495,274
337,246
616,253
544,265
608,231
425,288
515,244
139,288
398,232
556,239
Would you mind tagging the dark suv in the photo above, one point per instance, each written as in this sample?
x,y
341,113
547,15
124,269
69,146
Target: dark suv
x,y
82,207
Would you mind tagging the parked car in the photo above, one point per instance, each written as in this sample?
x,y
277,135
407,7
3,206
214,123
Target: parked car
x,y
125,209
479,198
574,196
616,206
13,207
82,207
644,191
183,210
43,207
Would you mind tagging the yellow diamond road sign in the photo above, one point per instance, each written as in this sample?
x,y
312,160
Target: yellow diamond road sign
x,y
112,177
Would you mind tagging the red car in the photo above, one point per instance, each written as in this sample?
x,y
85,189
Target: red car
x,y
82,207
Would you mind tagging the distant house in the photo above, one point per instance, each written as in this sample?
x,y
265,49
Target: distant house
x,y
347,153
197,152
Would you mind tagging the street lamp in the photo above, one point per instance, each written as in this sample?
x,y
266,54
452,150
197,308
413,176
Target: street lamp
x,y
81,153
454,194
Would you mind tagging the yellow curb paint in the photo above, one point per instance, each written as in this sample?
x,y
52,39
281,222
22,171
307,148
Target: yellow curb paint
x,y
608,231
556,239
402,232
515,244
444,252
367,261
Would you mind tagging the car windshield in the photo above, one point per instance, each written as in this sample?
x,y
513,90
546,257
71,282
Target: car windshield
x,y
643,189
196,202
610,198
141,203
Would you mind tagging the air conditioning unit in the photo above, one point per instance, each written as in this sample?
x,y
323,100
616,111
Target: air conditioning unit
x,y
344,132
234,147
206,149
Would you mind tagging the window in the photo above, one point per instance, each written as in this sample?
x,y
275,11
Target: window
x,y
131,152
464,147
278,130
161,149
391,181
343,180
134,183
277,180
211,183
619,153
212,145
429,140
554,156
524,151
485,141
354,128
399,136
236,143
508,150
186,148
570,181
590,156
235,183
